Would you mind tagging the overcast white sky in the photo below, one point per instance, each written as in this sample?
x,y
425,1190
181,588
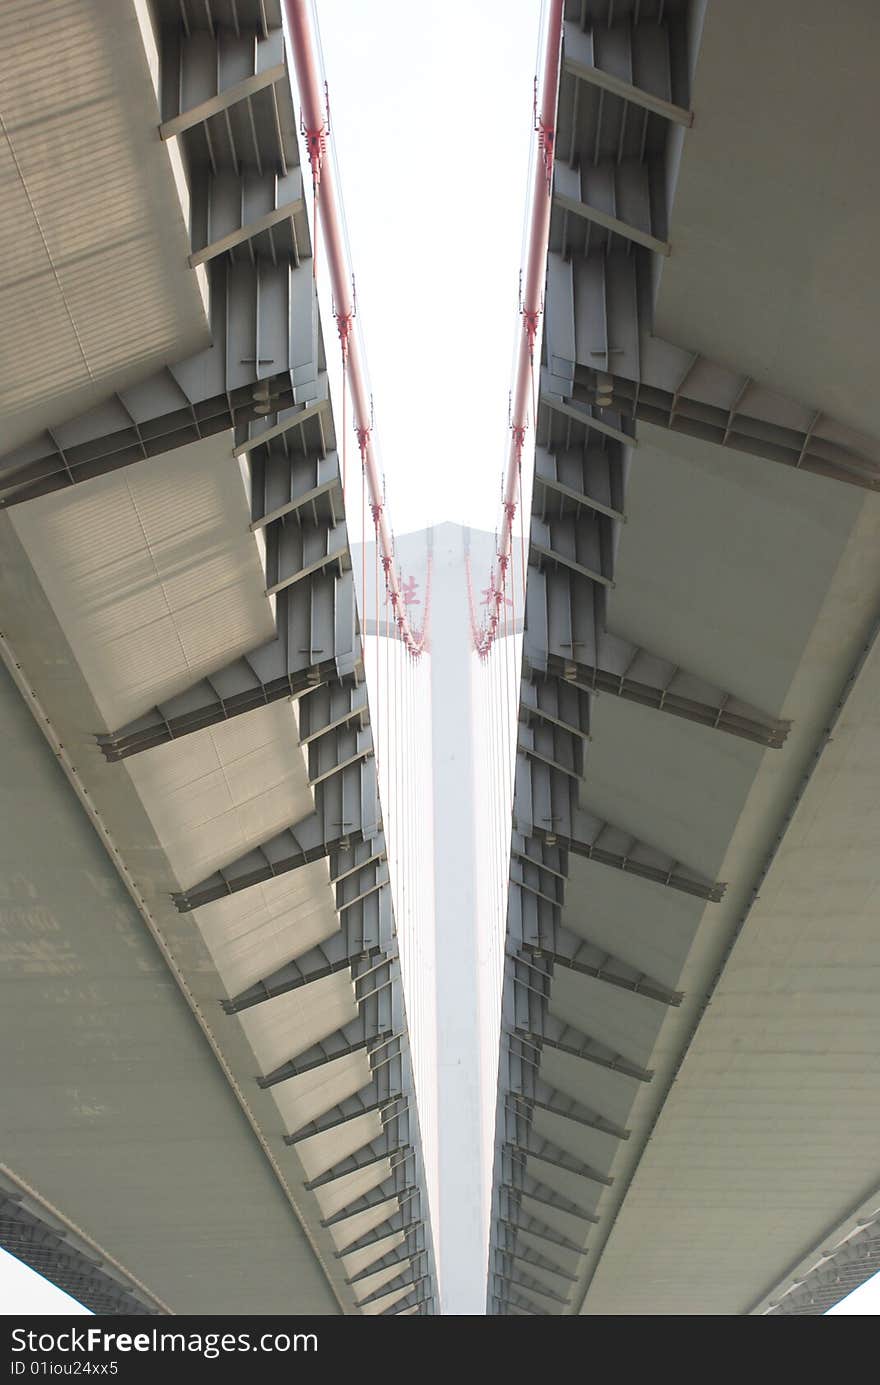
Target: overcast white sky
x,y
431,109
431,119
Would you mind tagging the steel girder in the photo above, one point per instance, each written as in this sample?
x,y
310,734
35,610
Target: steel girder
x,y
346,829
226,97
624,105
310,582
54,1252
834,1276
226,101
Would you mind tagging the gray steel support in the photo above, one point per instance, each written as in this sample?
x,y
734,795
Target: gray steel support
x,y
548,1153
356,1037
363,1159
51,1252
346,816
392,1188
226,389
568,640
624,88
409,1277
418,1299
315,655
536,1191
365,937
399,1223
260,390
589,211
836,1274
533,1226
507,1250
555,1033
616,371
540,1096
508,1299
546,809
363,1103
521,1140
520,1280
629,62
546,939
509,1255
392,1143
226,97
519,1184
316,964
412,1246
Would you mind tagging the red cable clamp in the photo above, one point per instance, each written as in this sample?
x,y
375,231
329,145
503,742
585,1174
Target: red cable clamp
x,y
316,142
531,318
363,437
343,326
344,321
316,147
546,135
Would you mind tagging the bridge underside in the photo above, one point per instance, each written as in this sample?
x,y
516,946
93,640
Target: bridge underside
x,y
687,1106
209,1102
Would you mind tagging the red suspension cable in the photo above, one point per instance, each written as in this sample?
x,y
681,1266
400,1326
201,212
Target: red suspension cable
x,y
531,310
327,206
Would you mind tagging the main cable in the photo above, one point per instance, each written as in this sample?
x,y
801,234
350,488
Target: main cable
x,y
531,310
315,128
